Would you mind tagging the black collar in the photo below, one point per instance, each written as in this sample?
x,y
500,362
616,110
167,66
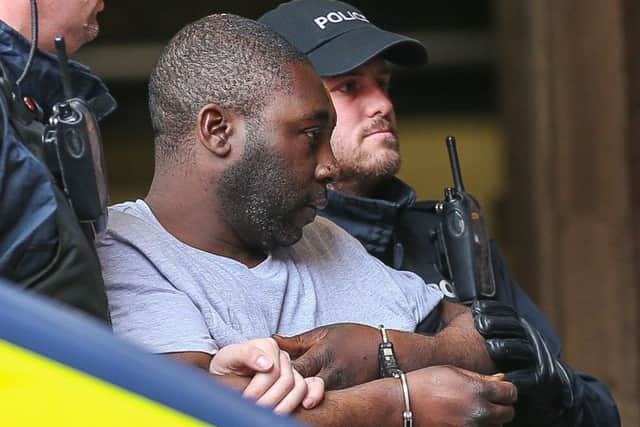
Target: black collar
x,y
389,199
372,220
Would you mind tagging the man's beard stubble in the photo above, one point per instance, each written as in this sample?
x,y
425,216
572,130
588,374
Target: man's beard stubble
x,y
91,31
358,161
258,195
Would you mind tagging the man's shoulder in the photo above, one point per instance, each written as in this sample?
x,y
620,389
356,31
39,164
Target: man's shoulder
x,y
124,212
324,225
137,245
130,221
323,236
324,229
122,206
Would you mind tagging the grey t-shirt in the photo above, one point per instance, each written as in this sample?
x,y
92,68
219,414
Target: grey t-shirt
x,y
171,297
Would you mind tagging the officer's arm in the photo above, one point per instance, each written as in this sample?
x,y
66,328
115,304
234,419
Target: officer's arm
x,y
594,406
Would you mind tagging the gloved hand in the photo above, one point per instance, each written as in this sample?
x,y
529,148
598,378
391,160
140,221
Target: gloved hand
x,y
545,384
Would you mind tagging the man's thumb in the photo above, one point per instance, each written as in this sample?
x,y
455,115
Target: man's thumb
x,y
295,346
261,362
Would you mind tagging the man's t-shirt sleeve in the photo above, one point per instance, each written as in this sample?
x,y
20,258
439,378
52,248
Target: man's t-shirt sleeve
x,y
145,307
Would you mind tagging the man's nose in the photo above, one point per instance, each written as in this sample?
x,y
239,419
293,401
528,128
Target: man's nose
x,y
379,103
327,169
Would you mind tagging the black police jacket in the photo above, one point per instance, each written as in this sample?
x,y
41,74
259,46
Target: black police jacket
x,y
395,228
42,247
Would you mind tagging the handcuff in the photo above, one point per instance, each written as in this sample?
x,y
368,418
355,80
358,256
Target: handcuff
x,y
388,367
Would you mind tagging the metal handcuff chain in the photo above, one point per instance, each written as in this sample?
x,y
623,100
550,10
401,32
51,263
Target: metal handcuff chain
x,y
388,366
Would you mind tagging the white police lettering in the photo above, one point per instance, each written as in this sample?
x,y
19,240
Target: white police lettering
x,y
337,17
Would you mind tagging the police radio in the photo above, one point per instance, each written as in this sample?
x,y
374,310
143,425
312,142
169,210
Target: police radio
x,y
73,153
462,240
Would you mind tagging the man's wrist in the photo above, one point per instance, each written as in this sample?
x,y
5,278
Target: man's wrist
x,y
388,366
420,353
387,362
375,403
407,415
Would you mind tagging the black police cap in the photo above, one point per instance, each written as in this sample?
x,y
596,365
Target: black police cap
x,y
337,37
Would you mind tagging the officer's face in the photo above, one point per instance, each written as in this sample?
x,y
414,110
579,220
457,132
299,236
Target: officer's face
x,y
76,20
364,141
275,188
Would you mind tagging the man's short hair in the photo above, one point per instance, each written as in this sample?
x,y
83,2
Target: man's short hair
x,y
233,62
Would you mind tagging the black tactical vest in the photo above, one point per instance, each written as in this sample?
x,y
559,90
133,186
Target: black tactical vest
x,y
73,274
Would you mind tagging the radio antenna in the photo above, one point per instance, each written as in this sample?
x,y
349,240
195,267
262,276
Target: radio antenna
x,y
63,61
455,165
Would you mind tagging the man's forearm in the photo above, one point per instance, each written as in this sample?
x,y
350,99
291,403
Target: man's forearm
x,y
458,344
377,403
346,354
439,396
372,404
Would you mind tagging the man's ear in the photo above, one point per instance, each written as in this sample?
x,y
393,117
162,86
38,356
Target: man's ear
x,y
214,129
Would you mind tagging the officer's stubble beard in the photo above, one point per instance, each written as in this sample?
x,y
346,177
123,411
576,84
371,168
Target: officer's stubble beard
x,y
91,31
360,161
258,195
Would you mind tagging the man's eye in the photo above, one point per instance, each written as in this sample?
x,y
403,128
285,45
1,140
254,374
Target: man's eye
x,y
347,87
385,85
313,135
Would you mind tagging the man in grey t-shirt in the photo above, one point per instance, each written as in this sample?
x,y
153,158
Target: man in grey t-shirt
x,y
172,297
216,254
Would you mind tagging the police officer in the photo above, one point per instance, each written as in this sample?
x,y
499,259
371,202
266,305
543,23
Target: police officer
x,y
351,55
42,246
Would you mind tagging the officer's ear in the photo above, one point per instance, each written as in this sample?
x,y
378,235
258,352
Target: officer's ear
x,y
215,129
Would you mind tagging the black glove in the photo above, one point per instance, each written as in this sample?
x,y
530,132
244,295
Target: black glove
x,y
545,384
